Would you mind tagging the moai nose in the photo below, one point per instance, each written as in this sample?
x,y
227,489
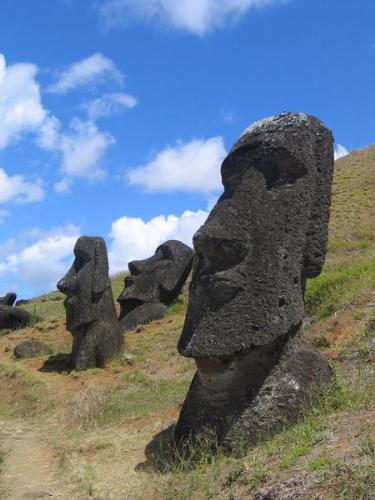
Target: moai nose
x,y
222,250
67,283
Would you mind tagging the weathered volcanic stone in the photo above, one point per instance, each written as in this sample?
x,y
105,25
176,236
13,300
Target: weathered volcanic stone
x,y
13,317
266,235
9,299
31,349
154,284
90,310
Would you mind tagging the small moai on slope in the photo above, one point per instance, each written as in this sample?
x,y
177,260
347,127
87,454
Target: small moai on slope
x,y
12,317
90,310
154,284
265,236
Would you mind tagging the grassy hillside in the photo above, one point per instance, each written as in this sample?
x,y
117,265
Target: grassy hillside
x,y
84,435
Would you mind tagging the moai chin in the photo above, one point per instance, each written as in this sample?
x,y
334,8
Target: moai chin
x,y
154,284
266,235
90,310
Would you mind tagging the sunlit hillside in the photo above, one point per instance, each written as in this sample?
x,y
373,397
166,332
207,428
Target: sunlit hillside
x,y
96,434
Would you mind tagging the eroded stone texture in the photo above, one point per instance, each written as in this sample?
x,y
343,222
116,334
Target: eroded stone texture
x,y
90,310
266,235
154,284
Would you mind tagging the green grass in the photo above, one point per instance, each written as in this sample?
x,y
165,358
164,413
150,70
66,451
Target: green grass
x,y
32,396
320,463
335,289
138,397
46,307
117,281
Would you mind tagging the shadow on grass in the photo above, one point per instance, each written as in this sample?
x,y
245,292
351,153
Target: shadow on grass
x,y
160,452
58,363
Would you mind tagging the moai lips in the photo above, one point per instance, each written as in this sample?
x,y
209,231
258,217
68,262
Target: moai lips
x,y
266,235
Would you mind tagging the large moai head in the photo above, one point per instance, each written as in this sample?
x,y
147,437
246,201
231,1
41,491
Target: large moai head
x,y
90,311
85,282
155,283
265,236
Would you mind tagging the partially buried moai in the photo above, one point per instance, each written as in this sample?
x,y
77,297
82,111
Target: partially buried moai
x,y
154,284
266,235
90,310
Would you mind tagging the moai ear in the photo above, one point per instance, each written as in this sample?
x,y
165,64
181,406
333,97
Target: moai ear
x,y
100,267
317,230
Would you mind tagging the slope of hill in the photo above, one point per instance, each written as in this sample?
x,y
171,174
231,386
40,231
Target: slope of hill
x,y
84,435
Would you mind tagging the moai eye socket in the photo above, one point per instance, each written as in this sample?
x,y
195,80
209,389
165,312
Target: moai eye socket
x,y
278,167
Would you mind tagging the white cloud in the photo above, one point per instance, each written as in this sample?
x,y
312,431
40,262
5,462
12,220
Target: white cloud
x,y
198,17
88,71
109,104
191,167
16,189
82,149
21,110
340,151
134,238
62,186
38,258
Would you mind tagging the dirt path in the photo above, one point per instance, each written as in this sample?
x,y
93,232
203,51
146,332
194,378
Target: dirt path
x,y
30,467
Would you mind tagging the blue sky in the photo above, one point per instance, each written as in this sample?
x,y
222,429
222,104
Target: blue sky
x,y
116,114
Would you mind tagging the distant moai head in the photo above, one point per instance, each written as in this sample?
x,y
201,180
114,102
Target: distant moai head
x,y
265,236
158,278
86,282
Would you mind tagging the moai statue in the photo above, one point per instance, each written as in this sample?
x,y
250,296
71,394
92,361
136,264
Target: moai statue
x,y
266,235
90,310
9,299
13,317
154,284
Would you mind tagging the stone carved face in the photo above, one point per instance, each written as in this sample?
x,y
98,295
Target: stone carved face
x,y
158,278
85,282
265,236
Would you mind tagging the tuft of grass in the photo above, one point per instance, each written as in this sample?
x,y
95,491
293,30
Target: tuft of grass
x,y
354,481
320,463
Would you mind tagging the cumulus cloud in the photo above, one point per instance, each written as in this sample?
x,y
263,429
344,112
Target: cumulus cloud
x,y
197,17
82,148
38,258
16,189
109,104
21,110
340,151
134,238
191,167
88,71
